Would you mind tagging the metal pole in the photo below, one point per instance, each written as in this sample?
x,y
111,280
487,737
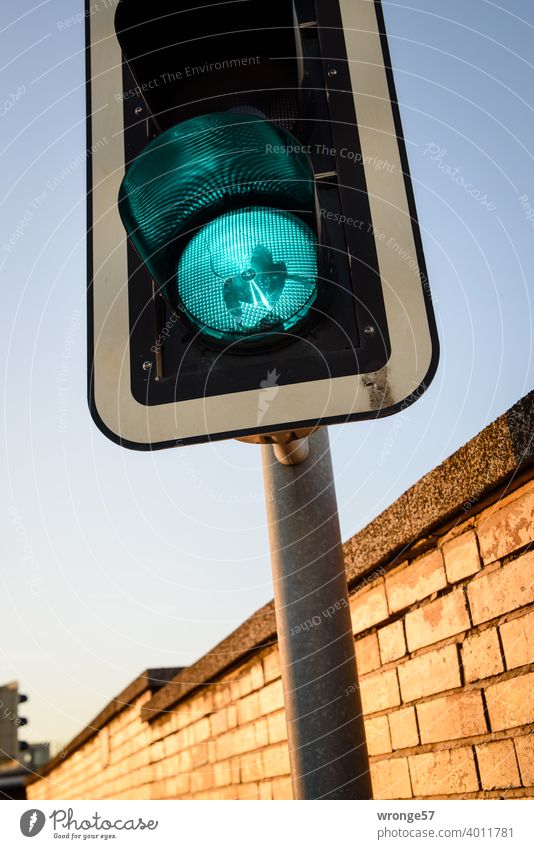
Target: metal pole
x,y
327,748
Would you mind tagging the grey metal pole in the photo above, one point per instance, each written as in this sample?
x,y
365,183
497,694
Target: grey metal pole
x,y
327,746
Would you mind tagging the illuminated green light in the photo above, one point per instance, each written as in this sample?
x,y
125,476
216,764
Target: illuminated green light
x,y
198,171
248,272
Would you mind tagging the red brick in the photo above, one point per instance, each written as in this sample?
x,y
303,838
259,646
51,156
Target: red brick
x,y
218,722
511,703
235,769
199,754
231,716
261,733
281,789
276,723
461,557
182,763
256,676
391,779
276,760
177,785
222,774
265,788
508,529
518,641
379,691
497,765
202,780
368,608
437,620
392,642
272,697
271,666
367,654
175,742
377,735
403,728
444,773
234,742
432,672
222,696
415,581
203,705
451,717
201,730
502,590
248,791
248,708
524,747
251,767
223,794
248,680
481,655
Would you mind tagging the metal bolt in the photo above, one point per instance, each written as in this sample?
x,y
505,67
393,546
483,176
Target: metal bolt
x,y
332,72
292,453
138,110
147,365
369,330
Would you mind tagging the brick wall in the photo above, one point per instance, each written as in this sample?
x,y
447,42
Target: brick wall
x,y
113,764
445,649
447,673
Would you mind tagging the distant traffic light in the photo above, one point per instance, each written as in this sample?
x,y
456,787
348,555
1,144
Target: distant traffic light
x,y
253,153
10,721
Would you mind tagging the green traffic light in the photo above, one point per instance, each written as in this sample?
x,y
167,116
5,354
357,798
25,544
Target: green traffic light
x,y
215,207
248,272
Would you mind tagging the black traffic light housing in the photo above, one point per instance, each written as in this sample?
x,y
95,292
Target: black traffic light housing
x,y
283,62
317,75
10,721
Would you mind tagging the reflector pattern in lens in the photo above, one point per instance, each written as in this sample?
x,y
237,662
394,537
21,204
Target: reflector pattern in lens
x,y
249,271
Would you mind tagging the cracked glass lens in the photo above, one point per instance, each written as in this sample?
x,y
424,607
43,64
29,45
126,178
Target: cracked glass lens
x,y
247,272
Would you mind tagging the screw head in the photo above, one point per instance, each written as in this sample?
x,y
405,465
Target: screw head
x,y
369,330
248,274
138,110
332,72
147,365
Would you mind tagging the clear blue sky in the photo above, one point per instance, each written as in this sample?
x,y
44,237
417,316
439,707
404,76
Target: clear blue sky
x,y
113,561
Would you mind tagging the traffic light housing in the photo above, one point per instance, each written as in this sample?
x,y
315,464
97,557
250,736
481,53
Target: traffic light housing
x,y
10,721
262,183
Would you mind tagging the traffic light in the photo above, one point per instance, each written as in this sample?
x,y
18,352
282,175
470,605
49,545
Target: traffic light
x,y
10,721
255,262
